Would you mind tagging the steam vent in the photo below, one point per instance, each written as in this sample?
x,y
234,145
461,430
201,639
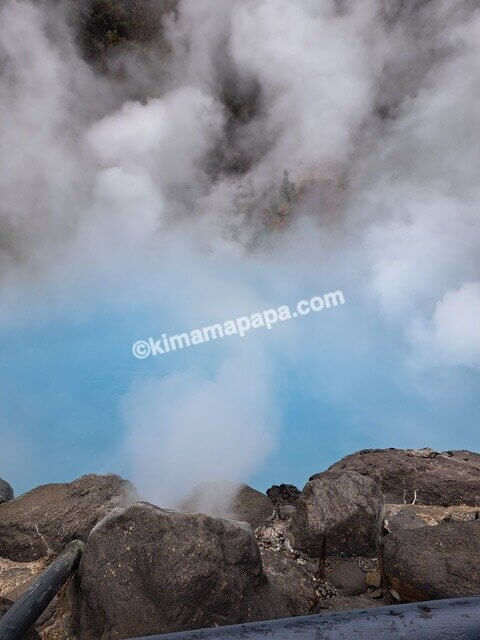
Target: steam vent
x,y
374,529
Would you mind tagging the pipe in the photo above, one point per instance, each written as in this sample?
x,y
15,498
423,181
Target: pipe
x,y
453,619
27,609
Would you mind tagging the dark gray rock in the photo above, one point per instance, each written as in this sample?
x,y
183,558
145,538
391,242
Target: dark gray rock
x,y
146,570
291,580
414,516
6,491
404,519
224,500
252,506
433,562
423,475
132,22
43,520
284,498
342,510
348,578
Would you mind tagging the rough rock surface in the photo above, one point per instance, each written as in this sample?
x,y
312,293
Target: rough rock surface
x,y
292,580
16,577
331,598
348,578
414,516
310,582
433,562
211,571
284,498
422,476
43,520
6,491
146,570
340,511
109,25
252,506
238,502
55,622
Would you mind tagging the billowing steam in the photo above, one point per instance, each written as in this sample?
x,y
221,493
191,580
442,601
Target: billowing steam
x,y
156,181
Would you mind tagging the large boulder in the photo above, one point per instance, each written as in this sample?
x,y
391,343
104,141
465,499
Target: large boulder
x,y
433,562
43,520
252,506
6,491
341,511
150,571
420,476
227,500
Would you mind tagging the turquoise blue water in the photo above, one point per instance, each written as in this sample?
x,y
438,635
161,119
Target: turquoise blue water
x,y
340,382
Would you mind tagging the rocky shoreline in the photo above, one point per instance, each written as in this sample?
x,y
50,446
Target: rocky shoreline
x,y
379,527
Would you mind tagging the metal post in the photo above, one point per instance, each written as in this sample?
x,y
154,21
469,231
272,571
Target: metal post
x,y
23,614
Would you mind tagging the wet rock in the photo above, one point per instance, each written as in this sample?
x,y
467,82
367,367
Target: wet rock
x,y
224,500
43,520
284,498
6,491
348,578
420,476
343,509
146,570
433,562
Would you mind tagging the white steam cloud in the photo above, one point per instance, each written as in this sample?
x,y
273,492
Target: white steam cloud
x,y
371,106
186,430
